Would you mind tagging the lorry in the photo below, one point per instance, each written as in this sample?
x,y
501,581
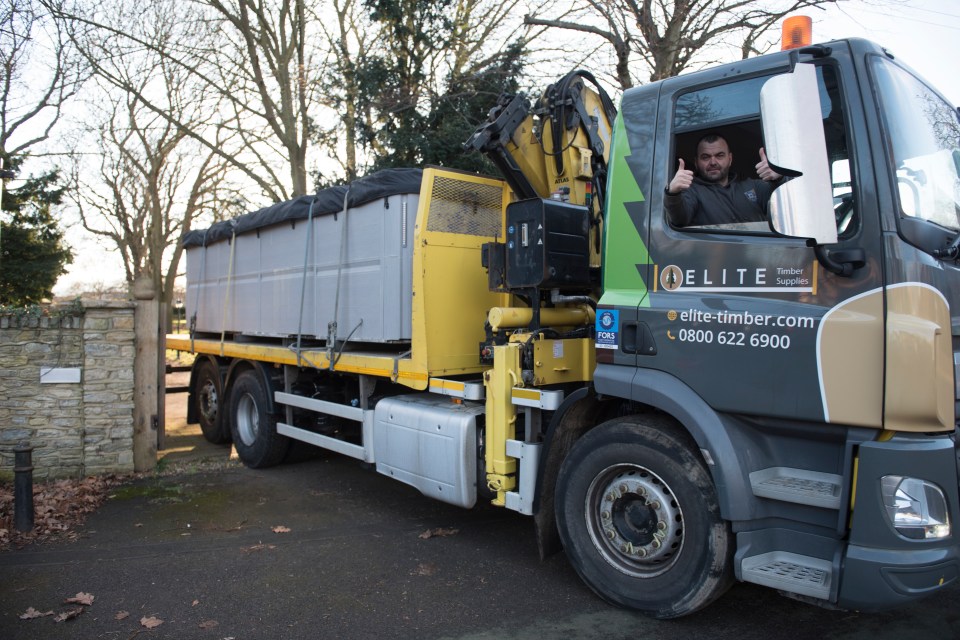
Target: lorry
x,y
677,408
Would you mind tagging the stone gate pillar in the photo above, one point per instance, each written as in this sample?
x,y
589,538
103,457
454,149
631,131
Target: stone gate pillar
x,y
146,375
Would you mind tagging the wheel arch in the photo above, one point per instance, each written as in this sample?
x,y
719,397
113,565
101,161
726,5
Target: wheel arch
x,y
669,395
264,372
574,417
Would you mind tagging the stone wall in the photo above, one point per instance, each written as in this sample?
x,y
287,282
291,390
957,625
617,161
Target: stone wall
x,y
78,415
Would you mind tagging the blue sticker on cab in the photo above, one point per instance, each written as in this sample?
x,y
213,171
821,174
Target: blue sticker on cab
x,y
608,328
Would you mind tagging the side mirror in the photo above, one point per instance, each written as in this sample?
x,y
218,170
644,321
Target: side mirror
x,y
795,146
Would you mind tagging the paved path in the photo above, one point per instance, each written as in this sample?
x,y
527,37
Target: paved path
x,y
198,551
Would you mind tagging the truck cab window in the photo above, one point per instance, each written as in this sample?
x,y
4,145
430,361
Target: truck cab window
x,y
923,138
733,111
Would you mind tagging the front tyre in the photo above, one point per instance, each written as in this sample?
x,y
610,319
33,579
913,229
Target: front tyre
x,y
639,518
253,429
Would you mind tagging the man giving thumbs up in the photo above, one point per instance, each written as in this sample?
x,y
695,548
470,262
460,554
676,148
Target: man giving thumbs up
x,y
712,195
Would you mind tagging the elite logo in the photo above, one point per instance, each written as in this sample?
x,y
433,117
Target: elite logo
x,y
671,278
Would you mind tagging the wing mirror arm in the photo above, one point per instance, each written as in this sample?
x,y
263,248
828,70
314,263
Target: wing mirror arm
x,y
816,50
842,262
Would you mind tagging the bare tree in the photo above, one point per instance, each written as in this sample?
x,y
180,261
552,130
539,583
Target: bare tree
x,y
267,73
671,36
40,73
249,56
338,63
349,40
152,185
154,179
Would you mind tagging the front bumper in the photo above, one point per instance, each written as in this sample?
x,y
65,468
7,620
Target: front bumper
x,y
875,579
880,567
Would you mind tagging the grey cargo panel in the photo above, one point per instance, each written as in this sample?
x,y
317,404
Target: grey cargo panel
x,y
282,279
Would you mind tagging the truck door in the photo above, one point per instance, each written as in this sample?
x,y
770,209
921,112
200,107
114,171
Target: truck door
x,y
738,312
918,134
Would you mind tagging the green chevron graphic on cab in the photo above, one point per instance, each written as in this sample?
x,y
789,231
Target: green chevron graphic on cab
x,y
625,252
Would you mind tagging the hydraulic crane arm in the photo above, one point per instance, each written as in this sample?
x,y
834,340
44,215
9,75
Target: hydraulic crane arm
x,y
506,138
560,148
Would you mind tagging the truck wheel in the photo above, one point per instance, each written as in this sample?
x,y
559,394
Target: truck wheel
x,y
207,394
254,430
639,519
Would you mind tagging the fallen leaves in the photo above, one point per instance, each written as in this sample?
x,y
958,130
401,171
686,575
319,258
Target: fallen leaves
x,y
208,624
59,507
151,622
81,598
84,600
439,532
280,529
258,547
68,614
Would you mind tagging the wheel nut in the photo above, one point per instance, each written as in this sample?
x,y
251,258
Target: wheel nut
x,y
655,543
611,534
661,525
624,488
605,515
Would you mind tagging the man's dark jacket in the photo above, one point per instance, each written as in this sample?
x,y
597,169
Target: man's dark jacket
x,y
708,203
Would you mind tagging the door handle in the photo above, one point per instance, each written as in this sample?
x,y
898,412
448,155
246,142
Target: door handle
x,y
628,341
637,338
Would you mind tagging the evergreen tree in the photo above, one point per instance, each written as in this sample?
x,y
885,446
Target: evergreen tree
x,y
458,112
429,89
437,136
33,252
396,81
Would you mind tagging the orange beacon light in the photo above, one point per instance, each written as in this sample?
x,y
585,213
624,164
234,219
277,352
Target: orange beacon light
x,y
797,32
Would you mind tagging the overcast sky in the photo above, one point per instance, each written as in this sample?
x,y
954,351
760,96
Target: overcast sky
x,y
925,34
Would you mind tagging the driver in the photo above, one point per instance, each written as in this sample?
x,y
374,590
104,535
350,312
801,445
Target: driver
x,y
713,195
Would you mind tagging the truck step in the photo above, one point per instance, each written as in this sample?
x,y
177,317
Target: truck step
x,y
790,572
798,485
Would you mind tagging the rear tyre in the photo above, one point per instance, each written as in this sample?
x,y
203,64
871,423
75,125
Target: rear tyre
x,y
639,519
253,429
207,398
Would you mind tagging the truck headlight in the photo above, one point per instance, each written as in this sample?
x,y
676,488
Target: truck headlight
x,y
916,508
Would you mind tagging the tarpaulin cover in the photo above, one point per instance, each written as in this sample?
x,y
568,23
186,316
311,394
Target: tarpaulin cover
x,y
327,201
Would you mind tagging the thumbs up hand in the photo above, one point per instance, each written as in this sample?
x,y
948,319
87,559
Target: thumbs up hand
x,y
764,170
681,181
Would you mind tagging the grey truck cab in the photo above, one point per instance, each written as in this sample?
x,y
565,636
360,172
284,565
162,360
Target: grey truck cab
x,y
812,357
